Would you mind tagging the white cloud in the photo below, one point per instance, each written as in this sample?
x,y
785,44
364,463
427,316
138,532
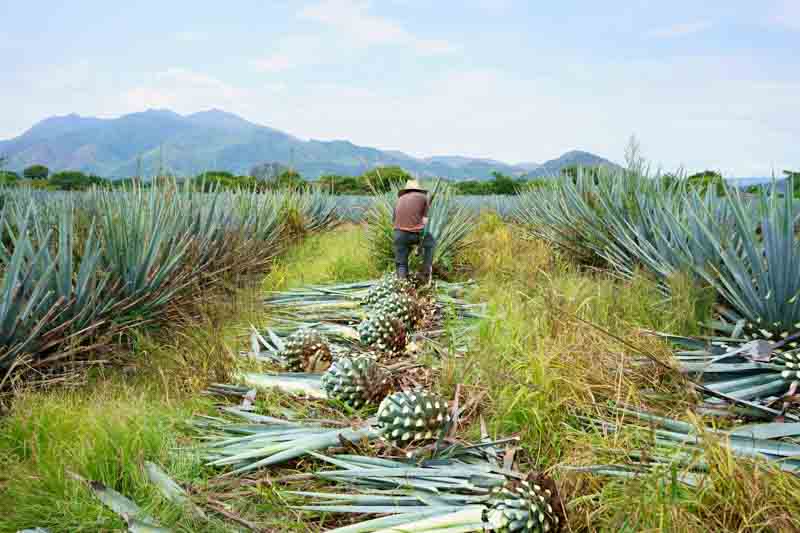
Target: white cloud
x,y
352,19
351,29
183,90
680,30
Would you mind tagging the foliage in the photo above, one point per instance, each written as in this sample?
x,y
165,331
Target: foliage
x,y
384,179
795,176
218,179
708,179
36,172
336,184
8,177
500,184
289,179
73,180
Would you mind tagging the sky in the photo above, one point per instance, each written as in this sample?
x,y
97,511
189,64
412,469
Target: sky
x,y
702,85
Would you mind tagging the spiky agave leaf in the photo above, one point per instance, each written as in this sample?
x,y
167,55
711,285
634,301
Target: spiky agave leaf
x,y
436,495
679,447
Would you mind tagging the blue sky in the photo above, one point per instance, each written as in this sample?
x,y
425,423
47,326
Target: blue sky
x,y
712,84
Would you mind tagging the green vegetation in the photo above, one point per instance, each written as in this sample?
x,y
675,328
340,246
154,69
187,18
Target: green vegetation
x,y
8,178
36,172
80,270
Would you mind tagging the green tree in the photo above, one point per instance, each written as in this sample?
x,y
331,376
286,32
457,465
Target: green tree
x,y
8,177
702,181
503,184
337,184
382,179
73,180
36,172
289,179
217,179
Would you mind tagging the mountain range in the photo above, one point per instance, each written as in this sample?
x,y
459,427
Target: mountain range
x,y
142,143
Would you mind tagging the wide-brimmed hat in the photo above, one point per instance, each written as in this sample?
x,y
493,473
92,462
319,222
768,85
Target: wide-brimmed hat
x,y
411,186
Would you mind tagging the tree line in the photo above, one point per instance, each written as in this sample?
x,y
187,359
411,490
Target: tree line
x,y
274,176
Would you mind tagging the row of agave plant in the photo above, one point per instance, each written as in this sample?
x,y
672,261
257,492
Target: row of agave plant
x,y
353,348
78,268
744,247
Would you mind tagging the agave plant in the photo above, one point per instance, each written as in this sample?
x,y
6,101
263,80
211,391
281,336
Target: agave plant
x,y
760,274
76,264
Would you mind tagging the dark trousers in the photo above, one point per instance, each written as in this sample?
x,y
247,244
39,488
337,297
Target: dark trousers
x,y
403,241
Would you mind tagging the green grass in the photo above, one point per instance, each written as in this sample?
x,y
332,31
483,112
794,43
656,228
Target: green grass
x,y
339,256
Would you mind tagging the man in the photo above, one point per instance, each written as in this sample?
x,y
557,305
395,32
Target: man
x,y
410,219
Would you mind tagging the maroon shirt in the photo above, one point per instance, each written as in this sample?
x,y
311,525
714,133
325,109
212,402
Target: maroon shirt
x,y
409,211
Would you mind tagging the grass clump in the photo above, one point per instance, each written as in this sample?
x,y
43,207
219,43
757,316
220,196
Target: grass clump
x,y
104,435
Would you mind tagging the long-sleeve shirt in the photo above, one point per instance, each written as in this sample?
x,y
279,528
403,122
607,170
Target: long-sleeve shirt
x,y
410,211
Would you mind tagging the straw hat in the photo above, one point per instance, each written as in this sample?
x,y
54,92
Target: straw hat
x,y
411,185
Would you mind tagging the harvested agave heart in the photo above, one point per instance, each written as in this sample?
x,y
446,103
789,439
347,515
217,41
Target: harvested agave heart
x,y
527,506
306,351
384,333
356,380
389,284
401,306
405,417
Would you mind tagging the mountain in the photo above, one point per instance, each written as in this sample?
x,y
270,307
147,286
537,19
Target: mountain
x,y
142,143
575,157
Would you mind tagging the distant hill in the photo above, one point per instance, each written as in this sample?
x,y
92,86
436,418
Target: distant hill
x,y
575,157
217,140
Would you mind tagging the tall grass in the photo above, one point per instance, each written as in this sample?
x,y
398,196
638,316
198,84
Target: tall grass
x,y
548,357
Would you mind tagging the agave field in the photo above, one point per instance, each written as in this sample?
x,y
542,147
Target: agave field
x,y
78,268
611,353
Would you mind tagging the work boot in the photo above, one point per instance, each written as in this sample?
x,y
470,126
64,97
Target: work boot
x,y
402,271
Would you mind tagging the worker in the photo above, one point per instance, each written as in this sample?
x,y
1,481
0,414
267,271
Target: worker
x,y
410,219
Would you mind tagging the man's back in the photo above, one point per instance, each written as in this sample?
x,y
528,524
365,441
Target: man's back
x,y
410,211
